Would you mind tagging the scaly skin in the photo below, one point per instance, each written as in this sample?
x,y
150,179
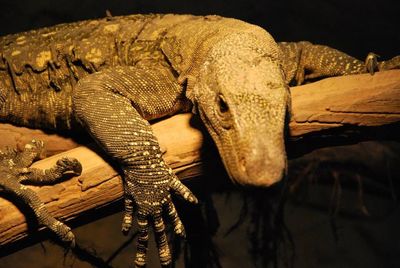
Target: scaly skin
x,y
305,61
15,172
111,76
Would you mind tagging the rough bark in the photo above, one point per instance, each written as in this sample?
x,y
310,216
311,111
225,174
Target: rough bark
x,y
355,100
360,100
99,183
17,137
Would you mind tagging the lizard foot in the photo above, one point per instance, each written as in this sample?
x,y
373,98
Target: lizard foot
x,y
15,172
371,62
152,197
69,165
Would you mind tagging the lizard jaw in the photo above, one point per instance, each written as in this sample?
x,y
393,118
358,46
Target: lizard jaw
x,y
260,171
256,168
260,167
250,160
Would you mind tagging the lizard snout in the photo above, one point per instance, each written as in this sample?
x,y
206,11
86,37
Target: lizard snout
x,y
261,168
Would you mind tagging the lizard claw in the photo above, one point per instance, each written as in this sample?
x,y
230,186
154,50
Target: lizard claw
x,y
21,172
126,223
152,197
143,237
371,62
176,221
70,165
128,218
69,238
182,190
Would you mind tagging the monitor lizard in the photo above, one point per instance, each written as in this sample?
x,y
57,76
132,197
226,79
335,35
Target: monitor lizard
x,y
112,76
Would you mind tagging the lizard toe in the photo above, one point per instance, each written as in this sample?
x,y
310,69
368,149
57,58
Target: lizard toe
x,y
126,224
371,63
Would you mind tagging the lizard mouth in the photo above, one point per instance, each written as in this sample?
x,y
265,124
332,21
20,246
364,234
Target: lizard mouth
x,y
256,167
258,162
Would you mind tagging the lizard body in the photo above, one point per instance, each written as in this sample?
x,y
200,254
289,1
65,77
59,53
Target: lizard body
x,y
110,76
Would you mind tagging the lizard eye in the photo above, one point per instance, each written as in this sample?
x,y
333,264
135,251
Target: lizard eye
x,y
223,112
222,105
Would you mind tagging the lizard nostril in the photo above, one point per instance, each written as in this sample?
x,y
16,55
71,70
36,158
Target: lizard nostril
x,y
222,105
222,109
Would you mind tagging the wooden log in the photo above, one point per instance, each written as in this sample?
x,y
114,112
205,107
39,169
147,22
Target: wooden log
x,y
355,100
17,137
99,183
352,100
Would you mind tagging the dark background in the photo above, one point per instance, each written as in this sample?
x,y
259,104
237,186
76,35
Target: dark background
x,y
355,27
326,225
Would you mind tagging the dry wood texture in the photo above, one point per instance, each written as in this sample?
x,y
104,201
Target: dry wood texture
x,y
17,137
360,100
99,183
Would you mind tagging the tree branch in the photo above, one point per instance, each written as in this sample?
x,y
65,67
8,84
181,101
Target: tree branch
x,y
354,100
359,100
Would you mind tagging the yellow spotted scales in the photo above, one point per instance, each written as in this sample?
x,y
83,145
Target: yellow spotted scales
x,y
110,76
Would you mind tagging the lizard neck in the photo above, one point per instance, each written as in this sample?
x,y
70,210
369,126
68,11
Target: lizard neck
x,y
188,45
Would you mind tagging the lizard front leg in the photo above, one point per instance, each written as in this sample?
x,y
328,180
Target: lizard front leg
x,y
304,60
15,170
106,104
30,198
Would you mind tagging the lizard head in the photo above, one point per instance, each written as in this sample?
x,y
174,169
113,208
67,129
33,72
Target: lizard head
x,y
242,98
